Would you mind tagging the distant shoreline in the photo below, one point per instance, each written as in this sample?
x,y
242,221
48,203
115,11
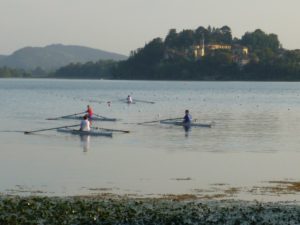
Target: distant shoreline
x,y
64,78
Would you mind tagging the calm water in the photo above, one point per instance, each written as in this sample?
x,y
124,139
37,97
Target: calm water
x,y
255,138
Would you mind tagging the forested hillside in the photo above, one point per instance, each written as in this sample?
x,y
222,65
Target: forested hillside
x,y
174,57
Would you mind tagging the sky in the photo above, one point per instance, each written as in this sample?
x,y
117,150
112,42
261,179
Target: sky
x,y
121,26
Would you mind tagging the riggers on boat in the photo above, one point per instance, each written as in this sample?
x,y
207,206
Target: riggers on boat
x,y
94,118
90,133
192,124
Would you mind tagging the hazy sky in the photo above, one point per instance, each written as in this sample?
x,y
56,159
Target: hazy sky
x,y
124,25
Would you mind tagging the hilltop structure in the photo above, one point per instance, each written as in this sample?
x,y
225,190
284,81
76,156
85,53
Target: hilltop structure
x,y
239,53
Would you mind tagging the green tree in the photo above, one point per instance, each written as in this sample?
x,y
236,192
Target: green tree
x,y
259,40
171,38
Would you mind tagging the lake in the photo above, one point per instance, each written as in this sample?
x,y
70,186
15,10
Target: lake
x,y
252,148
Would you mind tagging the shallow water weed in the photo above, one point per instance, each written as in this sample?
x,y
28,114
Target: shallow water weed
x,y
277,188
74,210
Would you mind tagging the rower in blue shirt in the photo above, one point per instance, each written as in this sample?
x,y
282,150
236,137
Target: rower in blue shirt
x,y
187,118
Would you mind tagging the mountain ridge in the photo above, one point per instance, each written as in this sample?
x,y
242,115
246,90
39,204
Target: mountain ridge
x,y
54,56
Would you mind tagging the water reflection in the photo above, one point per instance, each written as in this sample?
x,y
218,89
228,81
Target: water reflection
x,y
85,142
187,129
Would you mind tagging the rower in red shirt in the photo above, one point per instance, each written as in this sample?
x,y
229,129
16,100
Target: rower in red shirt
x,y
90,113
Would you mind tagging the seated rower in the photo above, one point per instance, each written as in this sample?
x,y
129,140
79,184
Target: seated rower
x,y
129,99
85,124
90,113
187,118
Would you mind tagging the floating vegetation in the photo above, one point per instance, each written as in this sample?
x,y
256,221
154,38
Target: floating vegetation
x,y
80,210
100,189
278,188
273,188
219,184
24,189
218,191
232,190
180,179
201,207
213,196
181,197
293,186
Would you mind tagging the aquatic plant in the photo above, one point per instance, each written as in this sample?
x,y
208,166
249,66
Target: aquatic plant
x,y
16,210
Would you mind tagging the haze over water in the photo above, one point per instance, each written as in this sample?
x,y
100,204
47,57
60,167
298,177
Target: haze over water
x,y
254,139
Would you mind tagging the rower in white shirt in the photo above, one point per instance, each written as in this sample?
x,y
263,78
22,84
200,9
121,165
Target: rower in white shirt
x,y
85,124
129,99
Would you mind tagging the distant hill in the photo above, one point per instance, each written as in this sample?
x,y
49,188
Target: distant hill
x,y
55,56
2,57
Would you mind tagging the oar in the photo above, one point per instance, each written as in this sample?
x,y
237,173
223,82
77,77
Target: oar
x,y
136,100
107,129
13,131
96,101
99,116
125,101
54,128
57,118
103,117
153,121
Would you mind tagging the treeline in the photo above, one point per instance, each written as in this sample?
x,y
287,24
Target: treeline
x,y
6,72
91,70
284,67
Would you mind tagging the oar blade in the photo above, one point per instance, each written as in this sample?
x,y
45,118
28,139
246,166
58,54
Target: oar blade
x,y
155,121
62,117
144,101
114,130
53,128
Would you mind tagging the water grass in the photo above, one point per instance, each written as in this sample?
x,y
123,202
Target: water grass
x,y
214,206
16,210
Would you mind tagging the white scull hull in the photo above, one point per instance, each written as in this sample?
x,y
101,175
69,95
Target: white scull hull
x,y
93,118
82,133
176,123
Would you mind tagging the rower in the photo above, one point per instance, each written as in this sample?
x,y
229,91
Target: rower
x,y
85,124
187,117
89,112
129,99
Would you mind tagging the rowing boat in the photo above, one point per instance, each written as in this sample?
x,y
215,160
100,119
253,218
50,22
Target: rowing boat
x,y
143,101
193,124
95,118
83,133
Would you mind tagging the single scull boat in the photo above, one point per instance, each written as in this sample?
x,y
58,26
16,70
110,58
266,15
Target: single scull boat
x,y
193,124
90,133
94,118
